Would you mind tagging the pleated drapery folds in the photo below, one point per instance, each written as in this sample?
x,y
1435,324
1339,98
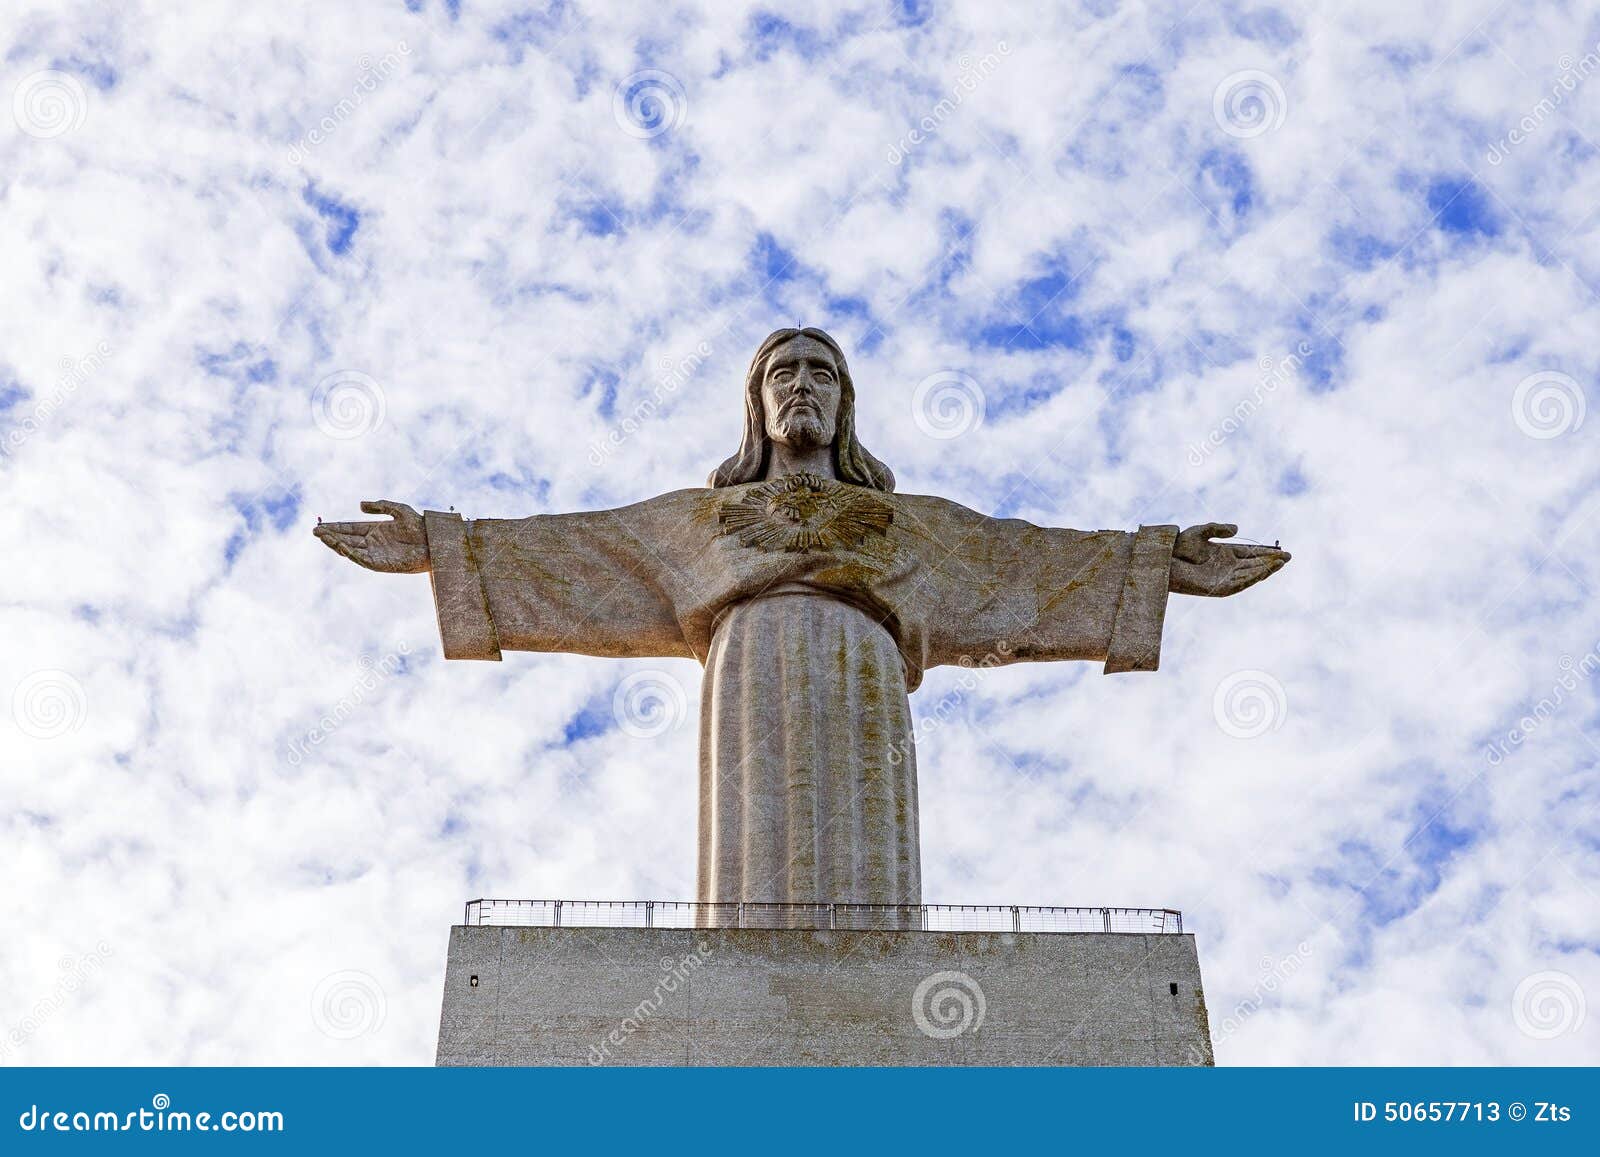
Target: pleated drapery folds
x,y
808,777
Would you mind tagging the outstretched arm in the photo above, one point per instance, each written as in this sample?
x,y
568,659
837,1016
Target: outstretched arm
x,y
592,583
398,546
1203,567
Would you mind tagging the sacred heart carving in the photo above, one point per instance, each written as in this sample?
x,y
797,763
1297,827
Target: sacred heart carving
x,y
805,512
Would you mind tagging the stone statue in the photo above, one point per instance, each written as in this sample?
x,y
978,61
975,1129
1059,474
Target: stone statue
x,y
815,596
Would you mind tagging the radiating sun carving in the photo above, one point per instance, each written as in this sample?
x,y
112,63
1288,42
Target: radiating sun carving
x,y
805,512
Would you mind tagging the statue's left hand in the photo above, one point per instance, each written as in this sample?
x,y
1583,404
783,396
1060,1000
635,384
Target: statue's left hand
x,y
398,546
1202,567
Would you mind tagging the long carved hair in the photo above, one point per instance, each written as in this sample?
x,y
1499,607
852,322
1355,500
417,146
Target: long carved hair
x,y
850,457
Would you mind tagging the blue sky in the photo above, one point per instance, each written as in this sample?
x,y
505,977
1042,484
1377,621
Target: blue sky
x,y
1326,272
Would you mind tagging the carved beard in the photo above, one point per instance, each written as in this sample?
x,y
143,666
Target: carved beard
x,y
801,428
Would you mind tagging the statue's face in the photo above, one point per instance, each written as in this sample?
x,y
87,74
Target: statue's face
x,y
800,394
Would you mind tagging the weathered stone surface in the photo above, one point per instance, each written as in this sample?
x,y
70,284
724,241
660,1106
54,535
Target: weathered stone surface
x,y
724,996
816,597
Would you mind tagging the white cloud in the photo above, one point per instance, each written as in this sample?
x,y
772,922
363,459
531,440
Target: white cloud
x,y
1079,235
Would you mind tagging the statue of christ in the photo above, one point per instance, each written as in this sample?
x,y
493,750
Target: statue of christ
x,y
815,596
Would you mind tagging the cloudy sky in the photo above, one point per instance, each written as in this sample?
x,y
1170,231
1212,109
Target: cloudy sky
x,y
1324,270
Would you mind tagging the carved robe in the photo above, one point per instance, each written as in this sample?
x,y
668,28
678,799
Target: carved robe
x,y
815,607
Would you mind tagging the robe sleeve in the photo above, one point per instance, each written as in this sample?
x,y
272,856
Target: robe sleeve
x,y
1004,590
1135,643
591,583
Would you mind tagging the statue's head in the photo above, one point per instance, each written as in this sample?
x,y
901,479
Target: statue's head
x,y
798,393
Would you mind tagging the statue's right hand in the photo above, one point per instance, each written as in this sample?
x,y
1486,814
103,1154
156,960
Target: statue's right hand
x,y
399,546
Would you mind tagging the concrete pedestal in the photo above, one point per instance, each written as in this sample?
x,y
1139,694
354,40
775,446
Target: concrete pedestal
x,y
742,996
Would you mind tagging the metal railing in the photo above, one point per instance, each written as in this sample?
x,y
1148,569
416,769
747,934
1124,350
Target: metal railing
x,y
895,917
